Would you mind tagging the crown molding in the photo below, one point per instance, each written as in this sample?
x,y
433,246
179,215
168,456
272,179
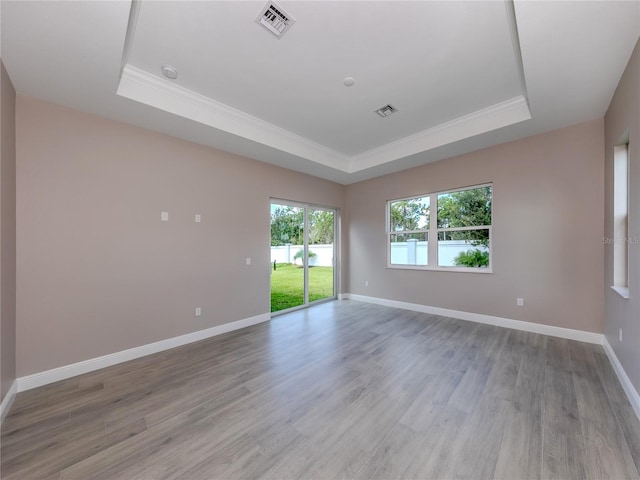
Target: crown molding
x,y
141,86
496,116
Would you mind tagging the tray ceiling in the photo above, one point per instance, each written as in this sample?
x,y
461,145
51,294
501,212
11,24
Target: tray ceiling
x,y
462,75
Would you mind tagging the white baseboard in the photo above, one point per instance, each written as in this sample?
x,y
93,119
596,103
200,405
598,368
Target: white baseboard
x,y
68,371
43,378
632,393
568,333
8,400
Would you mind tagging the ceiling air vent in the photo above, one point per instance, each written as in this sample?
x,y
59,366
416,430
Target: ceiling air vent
x,y
275,19
386,110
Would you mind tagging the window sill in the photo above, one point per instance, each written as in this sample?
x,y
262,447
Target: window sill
x,y
440,269
622,291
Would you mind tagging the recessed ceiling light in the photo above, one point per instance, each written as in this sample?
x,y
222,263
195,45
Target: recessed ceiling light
x,y
349,81
386,110
169,72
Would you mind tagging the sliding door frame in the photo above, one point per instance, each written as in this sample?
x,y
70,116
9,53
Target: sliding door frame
x,y
336,249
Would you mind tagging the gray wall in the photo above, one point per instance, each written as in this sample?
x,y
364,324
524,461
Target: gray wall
x,y
98,272
624,114
8,235
547,231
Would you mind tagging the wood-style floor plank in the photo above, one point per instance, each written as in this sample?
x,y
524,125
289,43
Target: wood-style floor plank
x,y
563,452
340,390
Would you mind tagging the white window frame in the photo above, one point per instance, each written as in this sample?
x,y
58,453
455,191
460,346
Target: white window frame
x,y
621,218
433,230
407,232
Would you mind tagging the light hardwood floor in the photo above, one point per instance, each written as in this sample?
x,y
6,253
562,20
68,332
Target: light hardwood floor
x,y
340,390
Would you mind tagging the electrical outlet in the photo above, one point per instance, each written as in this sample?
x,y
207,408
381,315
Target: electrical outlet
x,y
198,311
620,334
198,218
164,216
366,283
520,302
247,261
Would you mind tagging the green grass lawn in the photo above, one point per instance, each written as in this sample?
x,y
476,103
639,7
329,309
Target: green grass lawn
x,y
287,285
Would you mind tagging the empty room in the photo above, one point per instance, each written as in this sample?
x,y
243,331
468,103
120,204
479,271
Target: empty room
x,y
319,239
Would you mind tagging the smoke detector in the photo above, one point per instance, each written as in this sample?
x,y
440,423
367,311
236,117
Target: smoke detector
x,y
386,110
275,19
169,72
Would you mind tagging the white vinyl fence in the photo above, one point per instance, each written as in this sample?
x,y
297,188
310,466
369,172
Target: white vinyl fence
x,y
285,254
414,252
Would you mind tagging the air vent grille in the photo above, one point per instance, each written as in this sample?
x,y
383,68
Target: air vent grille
x,y
275,19
386,110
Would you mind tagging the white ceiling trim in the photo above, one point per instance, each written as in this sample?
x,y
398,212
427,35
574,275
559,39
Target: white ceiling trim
x,y
141,86
496,116
573,55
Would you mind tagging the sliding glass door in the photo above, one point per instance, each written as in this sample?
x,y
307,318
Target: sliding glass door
x,y
321,253
302,254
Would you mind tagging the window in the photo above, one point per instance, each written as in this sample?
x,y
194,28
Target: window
x,y
409,231
455,235
621,220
